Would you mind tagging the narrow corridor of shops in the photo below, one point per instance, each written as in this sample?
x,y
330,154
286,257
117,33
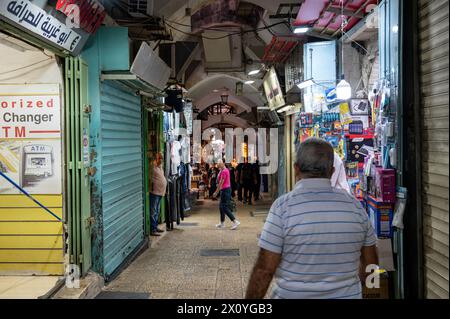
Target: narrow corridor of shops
x,y
175,268
118,130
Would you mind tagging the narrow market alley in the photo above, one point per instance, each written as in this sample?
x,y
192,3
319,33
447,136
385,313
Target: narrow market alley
x,y
144,142
176,268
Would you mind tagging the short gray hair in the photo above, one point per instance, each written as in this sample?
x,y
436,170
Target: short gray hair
x,y
315,158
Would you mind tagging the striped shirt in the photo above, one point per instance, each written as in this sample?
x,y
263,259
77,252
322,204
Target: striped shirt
x,y
319,232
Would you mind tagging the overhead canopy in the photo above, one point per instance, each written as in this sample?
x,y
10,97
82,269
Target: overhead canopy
x,y
325,16
131,81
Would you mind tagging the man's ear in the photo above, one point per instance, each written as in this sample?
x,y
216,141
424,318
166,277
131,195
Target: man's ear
x,y
296,169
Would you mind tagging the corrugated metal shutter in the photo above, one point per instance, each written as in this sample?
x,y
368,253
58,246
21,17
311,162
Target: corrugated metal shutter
x,y
433,35
122,174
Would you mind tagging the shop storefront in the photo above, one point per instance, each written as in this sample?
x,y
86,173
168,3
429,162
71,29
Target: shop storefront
x,y
363,119
37,225
177,132
119,131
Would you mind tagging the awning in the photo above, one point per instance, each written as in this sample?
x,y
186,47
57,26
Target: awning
x,y
133,82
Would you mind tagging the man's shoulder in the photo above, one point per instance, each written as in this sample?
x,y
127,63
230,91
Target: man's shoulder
x,y
281,201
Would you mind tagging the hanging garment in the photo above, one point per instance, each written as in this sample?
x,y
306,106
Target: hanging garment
x,y
191,173
187,183
175,157
185,149
166,122
167,158
188,117
169,206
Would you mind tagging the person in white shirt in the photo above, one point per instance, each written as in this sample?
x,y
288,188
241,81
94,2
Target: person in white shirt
x,y
339,178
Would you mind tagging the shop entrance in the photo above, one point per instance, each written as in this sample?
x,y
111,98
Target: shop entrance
x,y
78,187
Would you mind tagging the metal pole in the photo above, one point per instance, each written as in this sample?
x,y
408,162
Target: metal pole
x,y
28,195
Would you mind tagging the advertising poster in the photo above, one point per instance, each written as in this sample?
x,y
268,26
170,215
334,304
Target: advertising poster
x,y
30,138
272,90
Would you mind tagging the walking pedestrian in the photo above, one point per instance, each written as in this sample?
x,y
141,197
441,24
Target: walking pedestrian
x,y
240,186
158,190
248,181
257,177
213,182
224,187
317,239
233,181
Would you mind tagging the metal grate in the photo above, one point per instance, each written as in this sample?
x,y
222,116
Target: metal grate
x,y
122,295
259,213
189,224
219,252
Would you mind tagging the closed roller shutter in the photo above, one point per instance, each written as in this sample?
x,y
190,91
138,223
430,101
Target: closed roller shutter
x,y
434,86
122,174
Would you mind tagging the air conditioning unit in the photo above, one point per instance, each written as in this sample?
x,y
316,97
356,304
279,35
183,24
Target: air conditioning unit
x,y
140,8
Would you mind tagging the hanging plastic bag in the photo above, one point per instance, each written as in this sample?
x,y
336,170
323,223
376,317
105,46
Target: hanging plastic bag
x,y
346,117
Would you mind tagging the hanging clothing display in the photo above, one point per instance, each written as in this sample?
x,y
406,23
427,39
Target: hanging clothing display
x,y
185,149
175,155
188,117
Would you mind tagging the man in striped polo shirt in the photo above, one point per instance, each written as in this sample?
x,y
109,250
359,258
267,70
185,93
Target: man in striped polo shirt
x,y
317,240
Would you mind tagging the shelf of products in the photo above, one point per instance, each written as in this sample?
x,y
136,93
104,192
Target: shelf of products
x,y
361,132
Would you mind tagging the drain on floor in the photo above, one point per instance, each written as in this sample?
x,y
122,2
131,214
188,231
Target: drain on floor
x,y
219,252
259,213
122,295
188,224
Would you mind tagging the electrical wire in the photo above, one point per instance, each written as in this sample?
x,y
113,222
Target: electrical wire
x,y
221,37
24,67
348,37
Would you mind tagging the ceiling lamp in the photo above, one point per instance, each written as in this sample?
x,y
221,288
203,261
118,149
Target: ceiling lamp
x,y
224,98
252,67
305,84
285,108
249,82
298,30
343,90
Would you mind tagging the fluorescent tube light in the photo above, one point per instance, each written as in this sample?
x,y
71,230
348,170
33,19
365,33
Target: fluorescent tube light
x,y
301,30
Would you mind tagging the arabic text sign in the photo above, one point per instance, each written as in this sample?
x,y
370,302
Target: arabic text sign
x,y
26,112
36,20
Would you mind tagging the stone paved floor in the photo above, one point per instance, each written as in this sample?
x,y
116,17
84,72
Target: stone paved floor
x,y
175,269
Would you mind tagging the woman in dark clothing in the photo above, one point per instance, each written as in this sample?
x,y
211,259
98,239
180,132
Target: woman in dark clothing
x,y
233,181
257,176
213,182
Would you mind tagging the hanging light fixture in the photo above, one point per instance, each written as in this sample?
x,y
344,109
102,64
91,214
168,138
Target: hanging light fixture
x,y
224,99
343,89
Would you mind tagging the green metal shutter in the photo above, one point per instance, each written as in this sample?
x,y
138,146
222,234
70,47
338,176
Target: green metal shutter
x,y
122,174
434,90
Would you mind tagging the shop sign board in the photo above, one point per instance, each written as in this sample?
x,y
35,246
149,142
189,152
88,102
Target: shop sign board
x,y
31,18
88,13
272,90
30,138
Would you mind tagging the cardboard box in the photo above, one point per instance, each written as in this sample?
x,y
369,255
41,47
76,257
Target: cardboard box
x,y
381,215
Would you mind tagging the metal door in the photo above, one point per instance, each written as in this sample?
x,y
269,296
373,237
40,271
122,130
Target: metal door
x,y
77,197
122,174
434,94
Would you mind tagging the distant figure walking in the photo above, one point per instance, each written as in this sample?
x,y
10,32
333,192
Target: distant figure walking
x,y
224,187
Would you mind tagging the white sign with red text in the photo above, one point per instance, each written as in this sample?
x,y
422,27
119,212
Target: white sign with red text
x,y
30,111
30,138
